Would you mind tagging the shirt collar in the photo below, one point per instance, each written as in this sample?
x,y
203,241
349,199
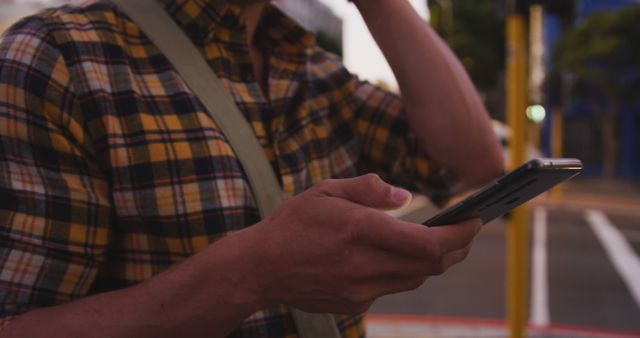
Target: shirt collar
x,y
202,19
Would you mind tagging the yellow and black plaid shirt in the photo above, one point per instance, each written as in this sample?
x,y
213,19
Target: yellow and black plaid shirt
x,y
111,170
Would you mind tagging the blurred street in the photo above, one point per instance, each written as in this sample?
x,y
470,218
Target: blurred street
x,y
585,274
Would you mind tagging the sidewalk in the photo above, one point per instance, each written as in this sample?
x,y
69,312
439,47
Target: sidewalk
x,y
588,193
603,187
399,326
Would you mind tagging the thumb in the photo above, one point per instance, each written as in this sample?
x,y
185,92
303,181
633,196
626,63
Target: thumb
x,y
369,190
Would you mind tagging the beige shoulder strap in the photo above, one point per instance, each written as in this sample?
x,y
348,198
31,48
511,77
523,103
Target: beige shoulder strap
x,y
201,79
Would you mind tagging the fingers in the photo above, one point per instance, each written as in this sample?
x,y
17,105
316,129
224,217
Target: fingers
x,y
384,283
385,286
455,257
393,265
395,285
377,264
456,236
417,240
368,190
433,250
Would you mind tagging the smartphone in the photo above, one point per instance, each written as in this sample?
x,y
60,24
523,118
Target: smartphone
x,y
509,191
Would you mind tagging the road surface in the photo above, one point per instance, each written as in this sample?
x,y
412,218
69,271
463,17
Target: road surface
x,y
584,276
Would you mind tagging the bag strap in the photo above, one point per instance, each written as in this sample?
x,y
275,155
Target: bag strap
x,y
194,70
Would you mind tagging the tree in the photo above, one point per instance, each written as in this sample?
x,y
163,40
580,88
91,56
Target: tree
x,y
475,30
603,54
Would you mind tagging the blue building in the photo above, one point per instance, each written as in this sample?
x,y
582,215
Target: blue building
x,y
581,118
586,7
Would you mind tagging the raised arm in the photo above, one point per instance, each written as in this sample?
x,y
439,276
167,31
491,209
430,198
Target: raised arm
x,y
444,110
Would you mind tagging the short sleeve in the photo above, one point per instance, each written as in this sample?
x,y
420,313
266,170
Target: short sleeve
x,y
54,201
389,147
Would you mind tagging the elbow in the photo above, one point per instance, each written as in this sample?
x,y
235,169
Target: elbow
x,y
488,167
496,166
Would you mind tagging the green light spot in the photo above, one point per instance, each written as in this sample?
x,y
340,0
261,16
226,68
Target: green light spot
x,y
536,113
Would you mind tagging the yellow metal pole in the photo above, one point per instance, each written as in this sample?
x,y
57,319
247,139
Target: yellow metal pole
x,y
557,138
536,72
517,230
534,135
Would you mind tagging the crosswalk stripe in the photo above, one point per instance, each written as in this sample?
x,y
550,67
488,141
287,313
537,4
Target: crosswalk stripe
x,y
540,316
618,249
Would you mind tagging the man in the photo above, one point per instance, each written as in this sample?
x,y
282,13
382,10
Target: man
x,y
125,213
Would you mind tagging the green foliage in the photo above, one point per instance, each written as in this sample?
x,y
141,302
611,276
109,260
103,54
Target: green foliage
x,y
475,30
603,52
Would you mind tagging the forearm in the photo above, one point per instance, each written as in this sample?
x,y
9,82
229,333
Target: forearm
x,y
444,110
208,295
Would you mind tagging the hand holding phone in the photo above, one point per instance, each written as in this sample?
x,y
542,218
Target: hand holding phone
x,y
511,190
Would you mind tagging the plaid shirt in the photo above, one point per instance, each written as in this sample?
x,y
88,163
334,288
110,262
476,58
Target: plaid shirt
x,y
111,170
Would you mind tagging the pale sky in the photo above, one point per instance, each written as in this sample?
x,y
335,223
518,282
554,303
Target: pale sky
x,y
361,55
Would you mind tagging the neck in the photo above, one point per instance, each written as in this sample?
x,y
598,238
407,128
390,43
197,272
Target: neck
x,y
252,13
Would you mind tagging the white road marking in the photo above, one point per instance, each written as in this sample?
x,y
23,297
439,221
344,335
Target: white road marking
x,y
620,252
540,316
